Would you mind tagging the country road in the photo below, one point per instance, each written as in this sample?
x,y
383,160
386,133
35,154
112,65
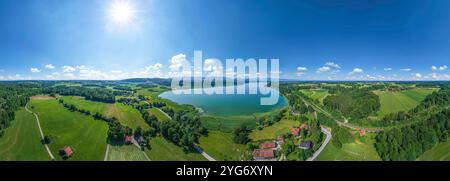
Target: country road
x,y
324,144
40,130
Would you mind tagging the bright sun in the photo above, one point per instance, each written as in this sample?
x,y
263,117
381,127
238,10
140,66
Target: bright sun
x,y
122,12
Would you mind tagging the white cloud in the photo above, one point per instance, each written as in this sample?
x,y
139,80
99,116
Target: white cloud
x,y
176,62
2,78
440,68
387,69
35,70
405,69
356,71
49,66
332,64
67,68
418,75
152,71
82,67
323,69
302,69
433,68
116,71
69,75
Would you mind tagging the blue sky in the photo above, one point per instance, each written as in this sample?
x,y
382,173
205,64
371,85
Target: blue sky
x,y
314,39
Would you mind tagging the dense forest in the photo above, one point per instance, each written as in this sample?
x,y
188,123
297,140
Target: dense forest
x,y
354,103
13,96
93,94
409,142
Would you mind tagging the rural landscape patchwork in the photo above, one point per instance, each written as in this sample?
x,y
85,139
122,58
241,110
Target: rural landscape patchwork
x,y
93,80
130,120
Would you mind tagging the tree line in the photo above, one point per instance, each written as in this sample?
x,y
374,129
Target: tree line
x,y
93,94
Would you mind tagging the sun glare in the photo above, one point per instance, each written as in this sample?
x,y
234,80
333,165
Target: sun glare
x,y
122,12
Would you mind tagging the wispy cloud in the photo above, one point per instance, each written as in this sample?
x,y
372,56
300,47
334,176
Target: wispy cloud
x,y
49,66
35,70
67,68
356,71
387,69
406,69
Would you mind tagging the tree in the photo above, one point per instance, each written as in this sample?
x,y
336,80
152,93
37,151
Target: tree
x,y
240,135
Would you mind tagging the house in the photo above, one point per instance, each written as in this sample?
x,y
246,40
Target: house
x,y
306,145
280,140
66,152
362,131
304,126
295,131
128,139
264,155
268,145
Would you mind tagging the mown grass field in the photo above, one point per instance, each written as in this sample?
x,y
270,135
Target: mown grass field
x,y
360,150
125,153
440,152
316,94
81,103
220,146
22,140
127,115
161,116
86,136
392,102
163,150
277,129
227,123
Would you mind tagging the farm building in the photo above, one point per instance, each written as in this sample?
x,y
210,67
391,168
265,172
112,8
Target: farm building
x,y
268,145
295,131
66,152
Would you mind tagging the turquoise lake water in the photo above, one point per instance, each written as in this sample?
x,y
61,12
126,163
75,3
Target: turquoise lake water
x,y
225,104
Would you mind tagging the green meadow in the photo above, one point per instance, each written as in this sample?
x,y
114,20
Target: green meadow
x,y
441,152
161,116
277,129
86,136
81,103
361,150
316,94
163,150
22,140
392,102
127,115
227,123
220,146
125,153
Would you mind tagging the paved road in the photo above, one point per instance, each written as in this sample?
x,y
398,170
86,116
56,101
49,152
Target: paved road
x,y
210,158
107,152
40,130
324,144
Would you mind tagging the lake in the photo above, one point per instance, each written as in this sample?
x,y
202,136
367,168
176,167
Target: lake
x,y
225,104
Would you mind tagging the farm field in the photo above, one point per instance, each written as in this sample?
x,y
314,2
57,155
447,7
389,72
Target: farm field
x,y
392,102
360,150
86,136
127,115
22,140
271,132
80,102
163,150
220,146
227,123
125,153
439,153
316,94
161,116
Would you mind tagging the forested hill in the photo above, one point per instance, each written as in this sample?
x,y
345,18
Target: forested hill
x,y
430,125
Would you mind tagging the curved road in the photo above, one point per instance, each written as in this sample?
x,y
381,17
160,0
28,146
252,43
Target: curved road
x,y
40,130
324,144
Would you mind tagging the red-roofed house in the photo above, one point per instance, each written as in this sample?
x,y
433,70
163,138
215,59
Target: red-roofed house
x,y
268,145
66,152
362,132
264,154
128,139
295,131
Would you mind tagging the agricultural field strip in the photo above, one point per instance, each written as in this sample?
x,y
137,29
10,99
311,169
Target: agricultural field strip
x,y
41,132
